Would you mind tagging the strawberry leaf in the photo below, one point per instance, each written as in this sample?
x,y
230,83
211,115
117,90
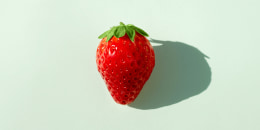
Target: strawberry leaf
x,y
103,35
141,31
130,32
110,33
120,31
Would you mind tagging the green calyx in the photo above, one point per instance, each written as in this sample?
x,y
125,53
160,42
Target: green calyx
x,y
119,31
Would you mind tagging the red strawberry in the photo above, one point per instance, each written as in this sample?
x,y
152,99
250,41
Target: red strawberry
x,y
125,60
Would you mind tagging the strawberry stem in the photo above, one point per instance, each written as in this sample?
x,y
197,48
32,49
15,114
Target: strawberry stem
x,y
121,23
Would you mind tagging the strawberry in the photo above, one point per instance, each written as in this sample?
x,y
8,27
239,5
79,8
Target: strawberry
x,y
125,59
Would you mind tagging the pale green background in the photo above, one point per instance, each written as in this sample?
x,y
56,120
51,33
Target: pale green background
x,y
49,80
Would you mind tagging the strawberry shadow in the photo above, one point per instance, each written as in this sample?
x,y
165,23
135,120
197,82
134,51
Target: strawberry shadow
x,y
181,71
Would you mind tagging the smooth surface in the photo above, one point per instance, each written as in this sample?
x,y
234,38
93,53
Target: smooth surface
x,y
49,78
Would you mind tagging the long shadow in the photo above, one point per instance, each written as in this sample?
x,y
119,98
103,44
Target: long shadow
x,y
181,71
